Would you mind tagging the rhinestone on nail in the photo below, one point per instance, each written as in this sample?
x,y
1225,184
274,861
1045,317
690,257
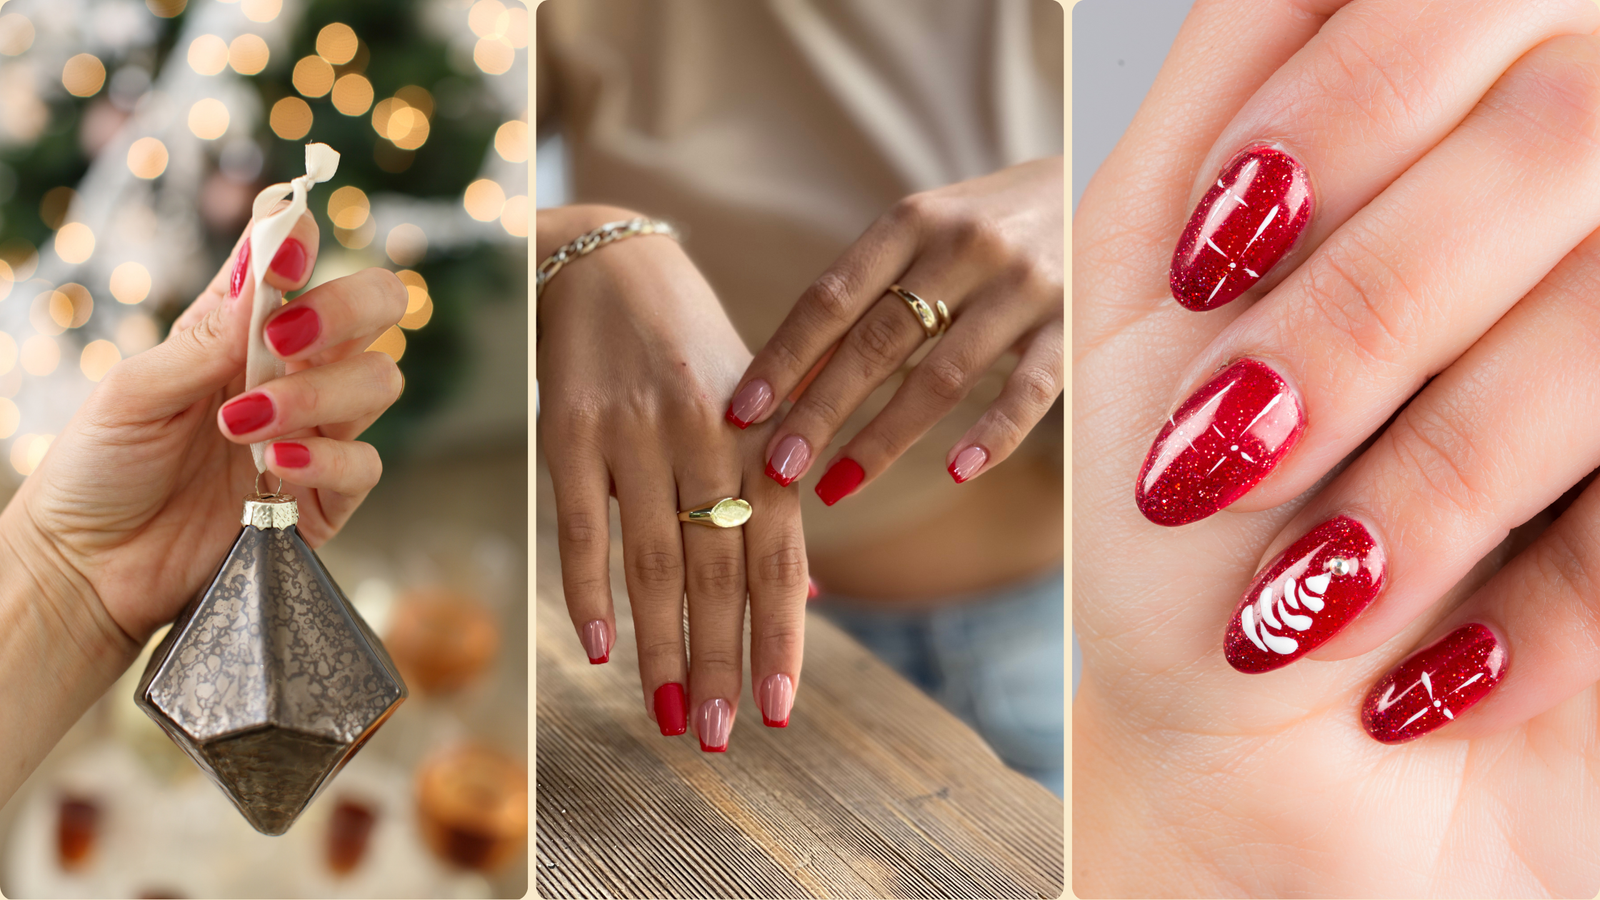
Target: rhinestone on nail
x,y
1339,566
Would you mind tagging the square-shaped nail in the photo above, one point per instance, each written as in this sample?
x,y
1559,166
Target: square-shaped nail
x,y
713,724
248,412
749,403
776,696
788,460
672,709
841,479
596,641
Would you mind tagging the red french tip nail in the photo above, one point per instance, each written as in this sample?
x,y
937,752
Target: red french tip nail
x,y
672,709
241,271
291,455
735,419
777,476
841,478
710,749
1435,685
247,413
1305,596
1248,220
967,463
1219,444
770,723
290,261
293,330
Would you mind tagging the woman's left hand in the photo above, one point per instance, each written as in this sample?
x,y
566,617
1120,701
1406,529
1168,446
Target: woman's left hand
x,y
990,249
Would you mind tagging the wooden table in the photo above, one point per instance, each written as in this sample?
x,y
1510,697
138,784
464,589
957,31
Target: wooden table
x,y
872,791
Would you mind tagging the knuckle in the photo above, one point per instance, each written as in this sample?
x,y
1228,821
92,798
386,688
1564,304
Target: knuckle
x,y
714,658
583,531
1566,563
1556,89
657,567
829,298
719,576
944,377
915,211
392,290
1363,297
1007,431
876,341
662,648
1437,451
1374,70
1037,386
784,568
781,641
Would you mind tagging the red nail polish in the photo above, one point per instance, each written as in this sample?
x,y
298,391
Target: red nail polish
x,y
1305,596
714,724
1434,685
967,463
291,455
749,403
290,261
293,330
247,412
777,698
1248,220
241,271
672,709
596,641
788,460
1219,444
841,478
813,590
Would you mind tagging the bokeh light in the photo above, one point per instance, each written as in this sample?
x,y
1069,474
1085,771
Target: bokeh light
x,y
16,34
406,244
352,94
166,9
357,238
8,353
208,54
261,10
337,43
75,243
7,279
147,157
400,121
419,305
517,26
40,355
484,199
514,216
130,283
28,451
54,204
208,119
511,141
494,55
348,207
416,97
137,333
248,54
83,75
21,256
489,18
291,118
10,418
312,77
42,314
98,358
392,342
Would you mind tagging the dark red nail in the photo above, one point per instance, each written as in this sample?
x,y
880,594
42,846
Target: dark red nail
x,y
672,709
241,271
1309,593
1219,444
293,330
291,455
841,478
1435,685
1248,220
290,261
248,412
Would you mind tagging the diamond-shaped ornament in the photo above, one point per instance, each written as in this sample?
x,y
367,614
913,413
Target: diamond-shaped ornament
x,y
270,680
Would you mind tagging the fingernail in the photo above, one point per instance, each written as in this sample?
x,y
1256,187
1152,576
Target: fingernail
x,y
290,261
291,455
1434,685
841,478
247,412
596,641
293,330
1246,222
777,696
1219,444
788,459
712,724
241,271
813,589
1307,594
672,710
749,403
968,462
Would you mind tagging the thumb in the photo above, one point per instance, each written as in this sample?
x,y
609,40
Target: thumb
x,y
190,364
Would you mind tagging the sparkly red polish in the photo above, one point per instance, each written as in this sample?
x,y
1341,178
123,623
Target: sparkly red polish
x,y
293,330
241,271
841,478
672,709
1248,220
1434,685
1219,444
1309,593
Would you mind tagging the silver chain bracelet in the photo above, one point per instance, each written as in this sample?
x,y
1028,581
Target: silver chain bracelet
x,y
585,244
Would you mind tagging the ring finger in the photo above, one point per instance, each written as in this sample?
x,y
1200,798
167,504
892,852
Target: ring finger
x,y
715,578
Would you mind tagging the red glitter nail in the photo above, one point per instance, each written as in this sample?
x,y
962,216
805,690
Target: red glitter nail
x,y
1248,220
1434,686
1305,596
1219,444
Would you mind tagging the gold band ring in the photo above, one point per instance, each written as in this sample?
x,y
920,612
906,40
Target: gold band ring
x,y
934,318
729,512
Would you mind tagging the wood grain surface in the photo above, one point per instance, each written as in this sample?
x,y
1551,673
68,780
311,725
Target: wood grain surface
x,y
872,791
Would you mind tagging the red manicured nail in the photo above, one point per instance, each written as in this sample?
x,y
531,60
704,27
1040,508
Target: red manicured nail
x,y
293,330
841,478
1434,685
291,455
1219,444
247,412
596,641
1246,222
241,271
968,462
749,403
777,697
713,724
290,261
813,590
788,459
672,709
1309,593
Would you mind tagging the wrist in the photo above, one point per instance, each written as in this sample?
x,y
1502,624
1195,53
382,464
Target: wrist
x,y
558,225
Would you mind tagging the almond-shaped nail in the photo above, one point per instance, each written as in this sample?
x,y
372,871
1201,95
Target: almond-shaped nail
x,y
1248,221
672,709
1435,685
1219,444
713,723
788,459
749,403
1305,596
776,697
248,412
968,462
241,271
596,641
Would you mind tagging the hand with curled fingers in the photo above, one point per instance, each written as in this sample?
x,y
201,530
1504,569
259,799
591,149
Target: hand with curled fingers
x,y
1333,395
976,264
636,358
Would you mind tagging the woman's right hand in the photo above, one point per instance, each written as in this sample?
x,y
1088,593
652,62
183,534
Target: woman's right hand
x,y
636,361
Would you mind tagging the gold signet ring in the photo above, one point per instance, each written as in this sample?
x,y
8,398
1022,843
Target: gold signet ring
x,y
729,512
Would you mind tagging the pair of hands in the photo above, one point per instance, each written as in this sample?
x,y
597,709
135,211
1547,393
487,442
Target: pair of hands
x,y
1428,342
649,395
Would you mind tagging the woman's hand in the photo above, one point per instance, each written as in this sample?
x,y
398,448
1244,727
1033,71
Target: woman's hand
x,y
635,358
990,250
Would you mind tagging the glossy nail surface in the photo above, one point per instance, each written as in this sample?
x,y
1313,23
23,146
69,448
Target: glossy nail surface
x,y
749,403
1434,685
596,641
713,722
1305,596
291,455
290,261
776,696
1219,444
788,459
241,270
842,478
293,330
1248,220
672,709
968,462
247,412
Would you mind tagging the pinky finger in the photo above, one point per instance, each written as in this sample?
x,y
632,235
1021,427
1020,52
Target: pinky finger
x,y
1029,393
341,472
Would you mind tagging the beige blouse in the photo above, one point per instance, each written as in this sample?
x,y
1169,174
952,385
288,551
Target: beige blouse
x,y
773,132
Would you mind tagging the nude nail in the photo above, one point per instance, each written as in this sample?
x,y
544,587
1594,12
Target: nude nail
x,y
777,696
713,722
749,403
596,641
968,462
788,459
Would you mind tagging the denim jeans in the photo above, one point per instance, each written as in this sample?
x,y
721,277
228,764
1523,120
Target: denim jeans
x,y
996,660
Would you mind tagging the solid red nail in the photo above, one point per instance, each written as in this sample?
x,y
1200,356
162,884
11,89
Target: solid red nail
x,y
293,330
672,709
1435,685
291,455
290,261
247,413
1305,596
241,271
1219,444
841,478
1248,220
